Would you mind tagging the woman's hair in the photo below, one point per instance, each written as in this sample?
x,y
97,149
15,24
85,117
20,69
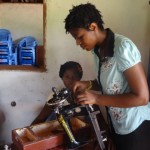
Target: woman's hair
x,y
82,16
71,65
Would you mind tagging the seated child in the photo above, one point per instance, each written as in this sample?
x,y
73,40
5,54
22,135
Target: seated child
x,y
69,72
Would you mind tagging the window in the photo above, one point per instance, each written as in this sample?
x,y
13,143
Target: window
x,y
21,20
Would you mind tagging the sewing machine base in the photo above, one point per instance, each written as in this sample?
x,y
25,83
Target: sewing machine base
x,y
46,136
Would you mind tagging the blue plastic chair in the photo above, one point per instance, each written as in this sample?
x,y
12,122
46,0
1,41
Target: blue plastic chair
x,y
27,51
5,47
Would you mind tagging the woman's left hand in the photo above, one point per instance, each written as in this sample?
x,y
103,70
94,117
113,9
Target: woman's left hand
x,y
87,97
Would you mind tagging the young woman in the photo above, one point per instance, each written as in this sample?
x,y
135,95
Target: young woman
x,y
120,75
69,73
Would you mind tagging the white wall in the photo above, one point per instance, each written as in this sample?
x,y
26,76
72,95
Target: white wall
x,y
22,20
30,89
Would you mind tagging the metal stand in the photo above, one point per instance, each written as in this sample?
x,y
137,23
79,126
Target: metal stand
x,y
98,132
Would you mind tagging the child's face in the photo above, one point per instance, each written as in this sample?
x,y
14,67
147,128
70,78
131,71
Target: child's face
x,y
85,38
69,77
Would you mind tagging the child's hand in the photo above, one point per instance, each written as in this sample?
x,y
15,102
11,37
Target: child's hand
x,y
80,86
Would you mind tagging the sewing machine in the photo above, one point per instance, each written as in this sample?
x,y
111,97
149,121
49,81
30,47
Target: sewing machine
x,y
60,134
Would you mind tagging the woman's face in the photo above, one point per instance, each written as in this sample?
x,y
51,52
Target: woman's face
x,y
85,38
69,77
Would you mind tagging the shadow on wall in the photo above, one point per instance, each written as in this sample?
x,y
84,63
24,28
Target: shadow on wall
x,y
2,119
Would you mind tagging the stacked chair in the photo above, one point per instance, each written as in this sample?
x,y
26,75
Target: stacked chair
x,y
5,47
26,50
21,53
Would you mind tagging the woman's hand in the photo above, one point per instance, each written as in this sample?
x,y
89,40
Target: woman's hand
x,y
88,97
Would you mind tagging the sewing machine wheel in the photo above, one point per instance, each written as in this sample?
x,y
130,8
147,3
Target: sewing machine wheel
x,y
55,103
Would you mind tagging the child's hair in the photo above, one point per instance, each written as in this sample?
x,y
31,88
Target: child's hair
x,y
82,16
71,65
